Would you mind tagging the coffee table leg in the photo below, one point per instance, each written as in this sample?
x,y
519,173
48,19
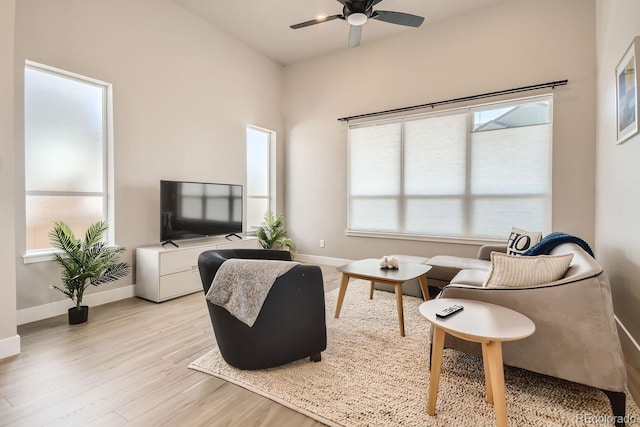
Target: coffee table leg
x,y
400,308
487,373
494,351
373,284
424,287
437,349
343,290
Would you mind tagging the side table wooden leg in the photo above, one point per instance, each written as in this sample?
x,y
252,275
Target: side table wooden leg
x,y
399,307
494,351
437,348
487,373
424,287
343,290
373,284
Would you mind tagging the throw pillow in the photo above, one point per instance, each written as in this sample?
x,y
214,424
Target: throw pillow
x,y
513,271
521,240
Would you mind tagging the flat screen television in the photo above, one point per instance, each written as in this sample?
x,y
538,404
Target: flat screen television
x,y
191,210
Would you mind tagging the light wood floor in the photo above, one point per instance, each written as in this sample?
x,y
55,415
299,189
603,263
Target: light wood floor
x,y
128,366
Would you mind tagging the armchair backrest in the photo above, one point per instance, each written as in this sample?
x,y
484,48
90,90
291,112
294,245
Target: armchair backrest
x,y
210,261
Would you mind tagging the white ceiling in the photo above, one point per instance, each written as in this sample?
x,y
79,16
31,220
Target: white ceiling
x,y
264,24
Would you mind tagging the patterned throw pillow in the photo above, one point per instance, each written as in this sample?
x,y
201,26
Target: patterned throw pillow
x,y
513,271
521,240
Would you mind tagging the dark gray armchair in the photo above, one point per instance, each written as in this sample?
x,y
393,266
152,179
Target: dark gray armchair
x,y
291,324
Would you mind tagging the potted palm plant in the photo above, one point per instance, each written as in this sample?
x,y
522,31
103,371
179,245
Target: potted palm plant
x,y
84,262
272,234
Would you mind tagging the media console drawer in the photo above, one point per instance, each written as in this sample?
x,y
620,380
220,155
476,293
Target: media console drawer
x,y
166,272
179,260
178,284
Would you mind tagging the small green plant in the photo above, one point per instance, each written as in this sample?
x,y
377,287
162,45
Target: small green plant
x,y
85,262
272,234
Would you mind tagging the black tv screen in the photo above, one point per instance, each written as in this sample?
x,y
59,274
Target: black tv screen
x,y
199,209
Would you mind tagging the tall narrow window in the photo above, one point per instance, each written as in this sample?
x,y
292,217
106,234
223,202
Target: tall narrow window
x,y
465,173
65,152
259,199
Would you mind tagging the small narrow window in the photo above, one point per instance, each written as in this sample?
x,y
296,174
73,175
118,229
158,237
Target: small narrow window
x,y
259,194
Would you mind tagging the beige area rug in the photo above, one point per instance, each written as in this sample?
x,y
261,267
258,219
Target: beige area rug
x,y
371,376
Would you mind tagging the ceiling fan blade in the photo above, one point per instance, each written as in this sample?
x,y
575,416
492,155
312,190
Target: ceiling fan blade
x,y
398,18
355,34
373,3
316,21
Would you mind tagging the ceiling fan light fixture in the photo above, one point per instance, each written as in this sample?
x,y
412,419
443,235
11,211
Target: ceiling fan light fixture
x,y
357,19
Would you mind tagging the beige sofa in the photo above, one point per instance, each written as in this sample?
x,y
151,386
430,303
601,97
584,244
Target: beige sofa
x,y
576,338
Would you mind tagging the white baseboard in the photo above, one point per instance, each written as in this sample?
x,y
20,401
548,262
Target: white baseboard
x,y
32,314
629,337
316,259
9,346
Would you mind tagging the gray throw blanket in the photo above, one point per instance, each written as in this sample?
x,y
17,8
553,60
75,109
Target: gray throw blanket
x,y
242,285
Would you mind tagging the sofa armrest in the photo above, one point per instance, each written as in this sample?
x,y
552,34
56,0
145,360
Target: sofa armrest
x,y
576,337
485,251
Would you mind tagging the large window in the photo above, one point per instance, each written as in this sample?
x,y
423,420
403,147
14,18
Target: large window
x,y
66,143
471,173
259,200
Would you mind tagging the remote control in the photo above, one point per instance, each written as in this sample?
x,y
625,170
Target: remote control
x,y
449,311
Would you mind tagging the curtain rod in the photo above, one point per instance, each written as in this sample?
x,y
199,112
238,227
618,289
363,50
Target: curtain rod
x,y
552,85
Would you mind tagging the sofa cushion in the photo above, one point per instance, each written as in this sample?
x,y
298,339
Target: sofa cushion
x,y
445,267
521,240
470,277
514,271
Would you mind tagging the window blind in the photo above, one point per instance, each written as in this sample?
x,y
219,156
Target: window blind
x,y
462,173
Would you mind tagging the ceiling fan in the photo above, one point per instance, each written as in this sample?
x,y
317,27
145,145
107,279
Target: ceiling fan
x,y
357,13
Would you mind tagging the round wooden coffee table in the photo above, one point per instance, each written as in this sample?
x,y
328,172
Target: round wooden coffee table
x,y
480,322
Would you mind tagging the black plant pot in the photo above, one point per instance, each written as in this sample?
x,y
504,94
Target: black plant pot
x,y
78,315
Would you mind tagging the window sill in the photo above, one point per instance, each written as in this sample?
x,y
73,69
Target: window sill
x,y
251,231
43,255
424,238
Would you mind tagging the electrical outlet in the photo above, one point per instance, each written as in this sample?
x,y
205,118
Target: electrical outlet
x,y
322,243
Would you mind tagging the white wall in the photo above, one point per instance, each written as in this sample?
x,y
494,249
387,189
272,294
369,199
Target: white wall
x,y
9,340
618,183
183,94
512,44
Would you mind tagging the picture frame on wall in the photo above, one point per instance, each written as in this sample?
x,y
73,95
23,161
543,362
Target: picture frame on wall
x,y
627,92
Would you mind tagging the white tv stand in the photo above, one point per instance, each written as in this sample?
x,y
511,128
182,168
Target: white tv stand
x,y
166,272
